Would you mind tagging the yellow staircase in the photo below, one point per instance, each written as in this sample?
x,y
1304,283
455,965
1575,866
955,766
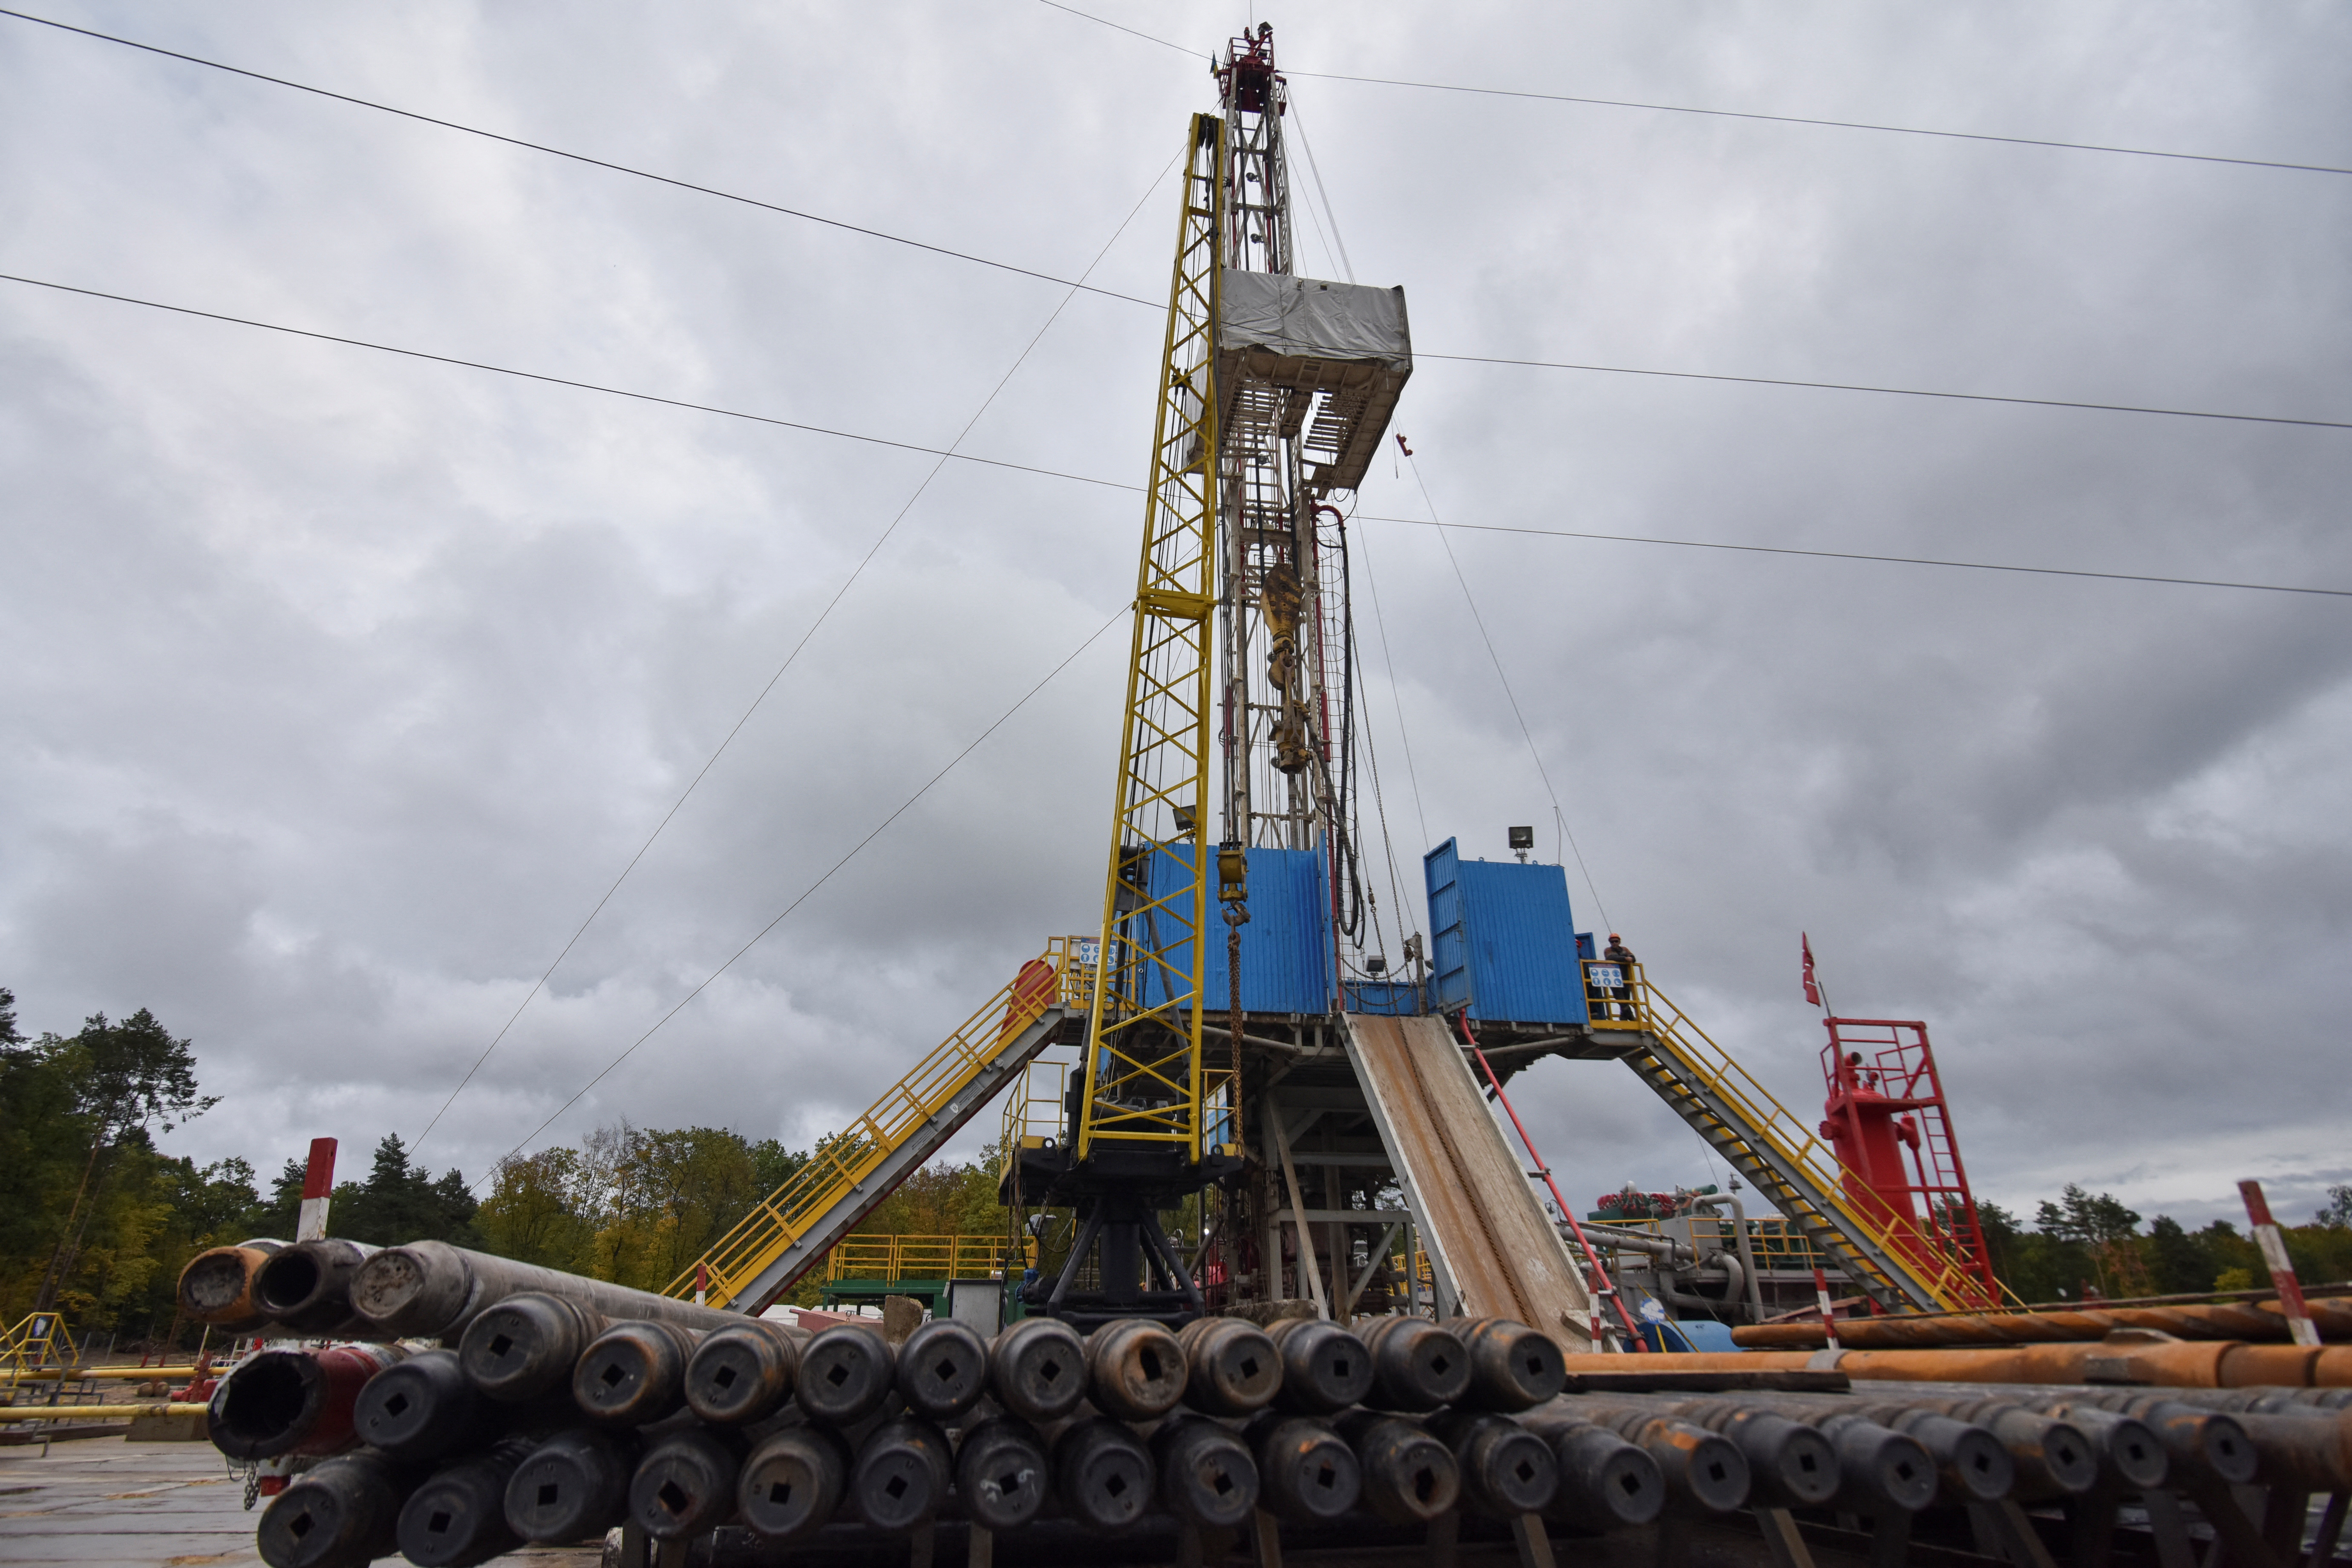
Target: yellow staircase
x,y
856,1168
1778,1154
38,1341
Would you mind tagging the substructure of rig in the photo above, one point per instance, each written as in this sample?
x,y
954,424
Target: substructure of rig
x,y
1380,1344
474,1404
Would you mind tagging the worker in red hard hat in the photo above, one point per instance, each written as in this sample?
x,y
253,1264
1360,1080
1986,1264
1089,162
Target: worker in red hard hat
x,y
1618,954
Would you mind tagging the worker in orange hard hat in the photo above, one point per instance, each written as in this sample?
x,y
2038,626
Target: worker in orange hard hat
x,y
1618,954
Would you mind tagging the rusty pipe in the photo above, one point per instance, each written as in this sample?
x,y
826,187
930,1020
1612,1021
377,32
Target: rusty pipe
x,y
217,1287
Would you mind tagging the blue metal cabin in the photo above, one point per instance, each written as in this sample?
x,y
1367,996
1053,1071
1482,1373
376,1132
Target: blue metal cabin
x,y
1286,946
1503,941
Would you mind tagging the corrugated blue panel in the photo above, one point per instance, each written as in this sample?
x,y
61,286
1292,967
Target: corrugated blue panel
x,y
1286,946
1502,940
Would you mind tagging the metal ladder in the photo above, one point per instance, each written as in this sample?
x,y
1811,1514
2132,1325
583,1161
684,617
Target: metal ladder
x,y
855,1169
1781,1156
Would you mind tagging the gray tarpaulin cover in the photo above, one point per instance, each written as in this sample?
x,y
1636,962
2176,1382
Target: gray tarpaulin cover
x,y
1306,318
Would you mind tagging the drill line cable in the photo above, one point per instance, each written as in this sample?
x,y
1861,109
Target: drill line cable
x,y
1138,490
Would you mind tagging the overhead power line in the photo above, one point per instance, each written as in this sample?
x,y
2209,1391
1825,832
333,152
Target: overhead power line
x,y
1114,294
1743,114
810,891
1110,484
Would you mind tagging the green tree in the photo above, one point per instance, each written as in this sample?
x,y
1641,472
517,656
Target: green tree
x,y
2104,1229
400,1203
2336,1214
539,1210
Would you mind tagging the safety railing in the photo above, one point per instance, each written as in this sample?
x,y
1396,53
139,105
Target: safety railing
x,y
887,1258
1776,1243
37,1340
1759,1115
1037,1110
1061,977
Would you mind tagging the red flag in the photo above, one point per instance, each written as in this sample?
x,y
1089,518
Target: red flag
x,y
1812,987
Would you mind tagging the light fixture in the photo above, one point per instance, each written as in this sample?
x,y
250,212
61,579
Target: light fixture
x,y
1522,840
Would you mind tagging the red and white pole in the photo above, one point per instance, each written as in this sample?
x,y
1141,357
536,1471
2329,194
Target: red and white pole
x,y
1821,1296
318,1187
2273,1246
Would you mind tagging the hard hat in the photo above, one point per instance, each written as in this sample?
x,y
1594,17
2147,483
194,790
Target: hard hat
x,y
1614,937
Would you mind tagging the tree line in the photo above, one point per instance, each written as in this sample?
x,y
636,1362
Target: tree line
x,y
96,1222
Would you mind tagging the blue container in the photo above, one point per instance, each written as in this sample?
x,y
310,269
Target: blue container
x,y
1382,998
1503,941
1286,946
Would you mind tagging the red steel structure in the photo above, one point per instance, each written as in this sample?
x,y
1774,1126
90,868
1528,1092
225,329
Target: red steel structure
x,y
1887,1119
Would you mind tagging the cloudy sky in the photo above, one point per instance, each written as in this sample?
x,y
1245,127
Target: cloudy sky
x,y
338,686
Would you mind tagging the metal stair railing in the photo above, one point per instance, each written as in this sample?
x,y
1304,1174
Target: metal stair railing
x,y
846,1175
1767,1144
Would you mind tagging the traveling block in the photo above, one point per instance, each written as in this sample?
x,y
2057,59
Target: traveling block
x,y
1605,1482
294,1401
1325,1369
1231,1367
1206,1474
1507,1471
1037,1369
572,1486
459,1517
1512,1367
902,1475
846,1374
634,1373
1409,1477
1416,1366
527,1345
306,1288
1102,1473
686,1482
342,1513
743,1374
1306,1473
1002,1472
1135,1370
942,1369
794,1483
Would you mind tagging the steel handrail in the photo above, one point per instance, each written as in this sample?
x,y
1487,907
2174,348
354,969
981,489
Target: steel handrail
x,y
841,1163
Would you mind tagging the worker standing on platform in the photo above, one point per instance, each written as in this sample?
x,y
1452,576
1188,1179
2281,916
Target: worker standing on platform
x,y
1618,954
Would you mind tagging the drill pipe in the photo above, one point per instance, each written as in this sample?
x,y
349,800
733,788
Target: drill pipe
x,y
2053,1458
2198,1445
1325,1369
1971,1464
344,1513
431,1290
574,1485
685,1484
1512,1367
2208,1363
942,1369
794,1482
459,1517
1789,1464
1002,1472
217,1287
1416,1366
294,1401
1231,1368
1409,1477
1102,1473
902,1475
743,1374
1036,1369
1134,1369
1605,1482
2185,1320
1206,1474
2129,1452
306,1288
2308,1448
1700,1468
527,1345
634,1373
846,1374
423,1409
1306,1472
1507,1471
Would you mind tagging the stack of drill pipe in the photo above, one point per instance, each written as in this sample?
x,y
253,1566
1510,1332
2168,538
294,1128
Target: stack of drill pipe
x,y
2256,1321
216,1286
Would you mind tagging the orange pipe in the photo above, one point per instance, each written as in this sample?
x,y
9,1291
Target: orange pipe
x,y
2162,1364
2188,1321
